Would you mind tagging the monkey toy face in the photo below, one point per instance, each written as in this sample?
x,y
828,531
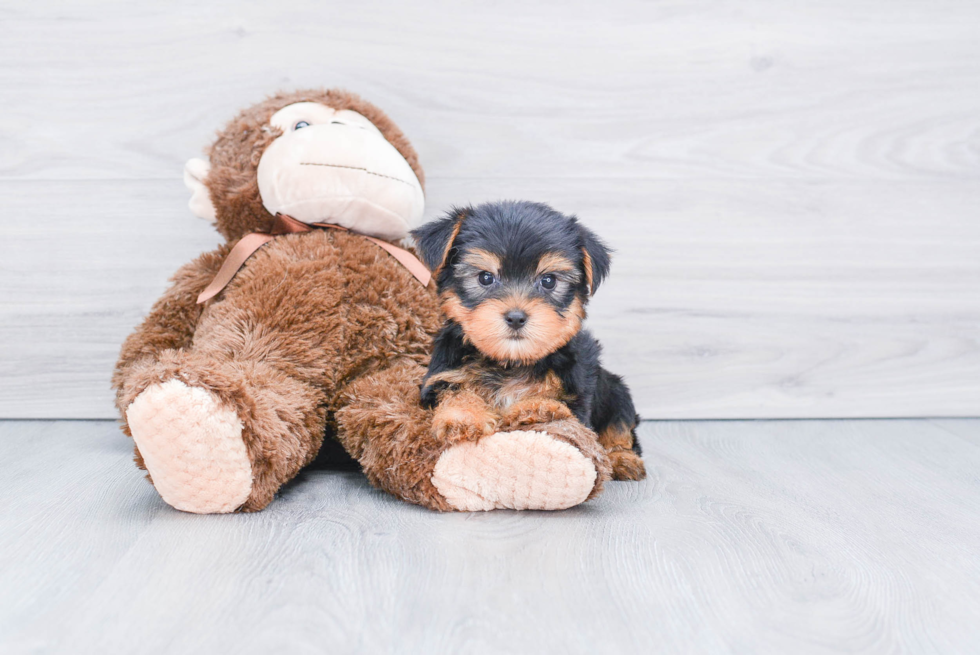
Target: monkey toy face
x,y
515,276
336,165
318,156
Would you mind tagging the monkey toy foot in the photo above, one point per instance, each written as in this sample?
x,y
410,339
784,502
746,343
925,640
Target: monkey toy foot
x,y
555,466
192,448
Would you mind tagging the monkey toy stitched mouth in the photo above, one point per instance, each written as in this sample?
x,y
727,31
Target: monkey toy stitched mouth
x,y
354,168
514,279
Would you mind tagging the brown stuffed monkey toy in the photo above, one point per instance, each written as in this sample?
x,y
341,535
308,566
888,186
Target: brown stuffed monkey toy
x,y
288,333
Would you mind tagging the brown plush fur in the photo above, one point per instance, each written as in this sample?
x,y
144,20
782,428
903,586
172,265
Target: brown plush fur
x,y
281,354
319,329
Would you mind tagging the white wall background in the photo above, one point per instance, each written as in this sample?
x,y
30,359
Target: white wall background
x,y
792,187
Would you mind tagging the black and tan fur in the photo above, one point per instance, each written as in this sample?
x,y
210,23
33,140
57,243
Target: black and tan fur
x,y
513,280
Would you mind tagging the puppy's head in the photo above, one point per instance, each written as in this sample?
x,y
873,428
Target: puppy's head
x,y
516,276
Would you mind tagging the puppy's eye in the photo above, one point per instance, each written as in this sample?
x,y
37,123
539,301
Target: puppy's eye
x,y
485,278
300,125
549,281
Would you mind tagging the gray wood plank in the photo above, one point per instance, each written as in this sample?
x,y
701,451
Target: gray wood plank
x,y
758,536
964,428
750,90
791,300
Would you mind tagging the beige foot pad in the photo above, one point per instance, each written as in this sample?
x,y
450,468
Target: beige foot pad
x,y
514,470
192,448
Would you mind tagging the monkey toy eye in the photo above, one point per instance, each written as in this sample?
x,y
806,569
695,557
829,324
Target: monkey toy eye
x,y
300,125
485,278
548,282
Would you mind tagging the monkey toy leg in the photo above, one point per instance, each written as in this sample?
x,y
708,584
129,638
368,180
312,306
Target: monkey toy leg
x,y
552,465
217,434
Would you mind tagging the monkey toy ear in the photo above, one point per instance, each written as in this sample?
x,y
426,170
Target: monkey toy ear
x,y
195,170
595,258
434,240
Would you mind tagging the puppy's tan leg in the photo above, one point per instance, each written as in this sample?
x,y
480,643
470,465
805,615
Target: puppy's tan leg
x,y
530,411
617,439
463,416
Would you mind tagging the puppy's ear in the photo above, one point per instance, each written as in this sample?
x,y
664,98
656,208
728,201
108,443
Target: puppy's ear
x,y
434,240
595,258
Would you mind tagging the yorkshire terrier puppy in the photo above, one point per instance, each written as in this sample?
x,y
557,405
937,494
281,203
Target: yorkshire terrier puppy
x,y
513,280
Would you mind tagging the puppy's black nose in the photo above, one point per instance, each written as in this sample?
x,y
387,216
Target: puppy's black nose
x,y
515,319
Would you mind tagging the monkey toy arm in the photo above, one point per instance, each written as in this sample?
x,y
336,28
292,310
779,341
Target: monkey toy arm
x,y
383,425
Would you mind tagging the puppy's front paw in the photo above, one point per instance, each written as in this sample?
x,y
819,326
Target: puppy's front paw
x,y
455,423
533,411
627,465
429,396
430,392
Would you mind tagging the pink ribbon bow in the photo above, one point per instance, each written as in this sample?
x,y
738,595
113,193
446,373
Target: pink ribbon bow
x,y
284,224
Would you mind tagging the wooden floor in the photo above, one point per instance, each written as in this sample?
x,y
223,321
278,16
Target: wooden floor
x,y
766,536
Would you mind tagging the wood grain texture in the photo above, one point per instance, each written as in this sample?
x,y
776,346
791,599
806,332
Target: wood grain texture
x,y
759,536
791,188
718,307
